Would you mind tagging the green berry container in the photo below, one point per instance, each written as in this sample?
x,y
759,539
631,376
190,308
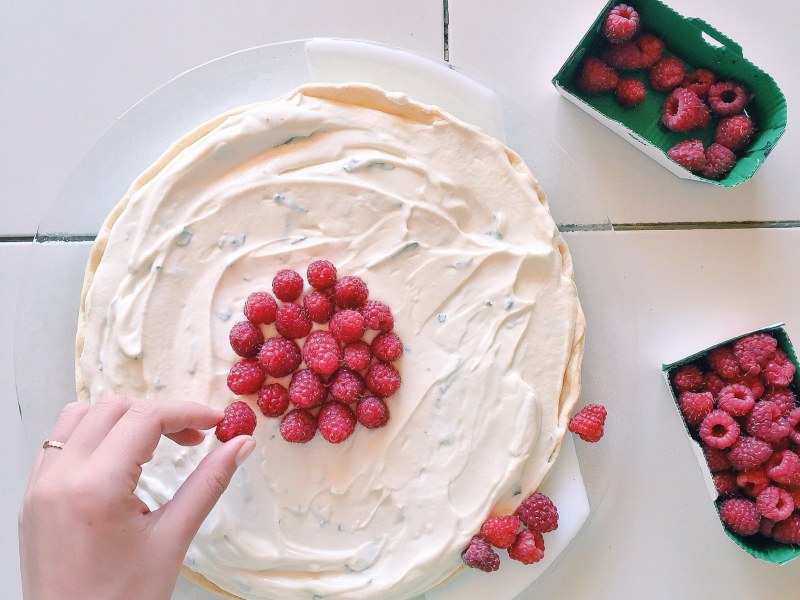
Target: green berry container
x,y
758,546
698,45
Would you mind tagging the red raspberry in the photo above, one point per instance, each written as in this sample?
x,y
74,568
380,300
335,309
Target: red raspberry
x,y
783,397
719,162
287,285
306,389
689,154
717,458
740,516
695,407
357,355
736,400
752,482
538,513
336,422
723,362
727,98
719,430
479,555
528,547
382,379
500,531
766,527
238,419
246,339
630,93
779,370
292,321
775,503
372,412
748,453
596,77
279,356
588,423
734,132
321,352
377,315
321,274
387,347
246,377
319,306
788,531
752,382
699,82
687,378
794,425
621,23
652,47
273,400
350,292
667,74
784,467
260,308
766,423
625,56
683,111
347,325
346,385
713,383
298,426
725,483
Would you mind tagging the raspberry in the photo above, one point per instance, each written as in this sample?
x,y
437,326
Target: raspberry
x,y
382,379
748,453
683,111
279,356
588,423
719,430
667,74
723,362
775,503
687,378
766,527
500,532
788,531
784,467
752,482
652,47
319,306
287,285
298,426
387,347
260,308
538,513
736,400
784,398
350,292
716,458
528,547
725,483
321,274
713,383
740,516
630,93
621,23
246,377
699,82
292,321
357,355
273,400
719,162
372,412
625,56
321,352
347,325
766,423
752,382
377,315
689,154
779,370
695,407
596,77
727,98
479,555
794,425
238,419
306,389
346,385
246,339
336,422
734,132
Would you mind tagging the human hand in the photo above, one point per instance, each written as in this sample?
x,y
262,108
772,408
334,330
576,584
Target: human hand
x,y
84,533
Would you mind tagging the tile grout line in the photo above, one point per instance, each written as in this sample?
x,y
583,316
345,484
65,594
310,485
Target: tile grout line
x,y
446,32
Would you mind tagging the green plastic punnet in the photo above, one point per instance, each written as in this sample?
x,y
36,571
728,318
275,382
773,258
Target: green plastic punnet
x,y
698,45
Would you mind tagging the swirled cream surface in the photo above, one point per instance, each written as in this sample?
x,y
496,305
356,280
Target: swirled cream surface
x,y
448,227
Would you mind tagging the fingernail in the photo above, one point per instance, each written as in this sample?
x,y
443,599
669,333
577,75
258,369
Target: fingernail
x,y
245,451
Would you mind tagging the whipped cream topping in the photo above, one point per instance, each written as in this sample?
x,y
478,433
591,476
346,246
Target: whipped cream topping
x,y
448,227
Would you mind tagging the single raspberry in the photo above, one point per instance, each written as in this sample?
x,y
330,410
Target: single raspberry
x,y
260,308
589,422
695,407
298,426
350,292
377,315
528,547
689,154
621,23
500,531
306,389
719,430
719,162
479,555
734,132
387,347
683,111
752,482
784,467
246,377
752,382
699,82
740,516
596,77
667,74
784,398
238,419
652,47
748,453
766,423
630,93
794,425
713,383
279,356
346,385
717,458
538,513
775,503
766,527
347,325
625,56
292,321
287,285
273,400
246,339
779,370
372,412
319,305
321,353
321,274
382,379
357,355
336,422
736,400
725,483
727,98
687,378
723,362
788,531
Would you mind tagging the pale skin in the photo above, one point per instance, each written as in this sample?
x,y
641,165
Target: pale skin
x,y
84,533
